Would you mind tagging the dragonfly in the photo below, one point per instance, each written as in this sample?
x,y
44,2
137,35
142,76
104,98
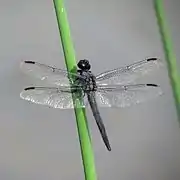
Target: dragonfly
x,y
113,88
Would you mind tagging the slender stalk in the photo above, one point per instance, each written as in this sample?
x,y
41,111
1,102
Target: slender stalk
x,y
169,53
70,60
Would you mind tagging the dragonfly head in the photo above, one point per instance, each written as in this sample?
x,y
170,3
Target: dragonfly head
x,y
84,64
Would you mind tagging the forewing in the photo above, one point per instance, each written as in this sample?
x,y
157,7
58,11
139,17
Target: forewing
x,y
47,73
124,96
51,96
128,74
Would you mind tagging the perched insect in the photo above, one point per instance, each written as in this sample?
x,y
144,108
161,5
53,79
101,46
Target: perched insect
x,y
113,88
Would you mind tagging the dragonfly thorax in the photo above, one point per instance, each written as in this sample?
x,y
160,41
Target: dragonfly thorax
x,y
87,81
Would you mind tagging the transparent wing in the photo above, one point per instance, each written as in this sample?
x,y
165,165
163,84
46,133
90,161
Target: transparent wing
x,y
47,73
124,96
51,96
128,74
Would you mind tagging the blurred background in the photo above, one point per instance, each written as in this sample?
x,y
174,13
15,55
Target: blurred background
x,y
40,143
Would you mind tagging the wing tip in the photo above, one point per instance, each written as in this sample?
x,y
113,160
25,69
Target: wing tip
x,y
157,88
155,59
29,62
153,85
23,62
29,88
152,59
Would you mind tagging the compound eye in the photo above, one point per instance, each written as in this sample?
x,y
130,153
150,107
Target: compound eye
x,y
84,64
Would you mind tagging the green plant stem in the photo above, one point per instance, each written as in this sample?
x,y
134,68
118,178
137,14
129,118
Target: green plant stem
x,y
169,53
70,60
